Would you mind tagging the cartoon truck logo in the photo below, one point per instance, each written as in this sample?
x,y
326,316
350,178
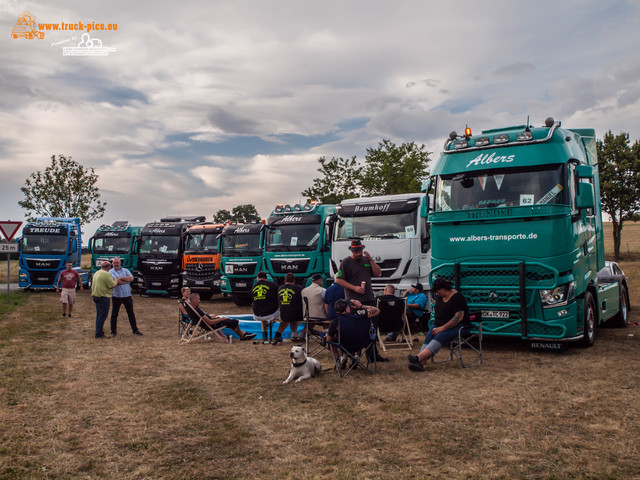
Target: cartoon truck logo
x,y
26,27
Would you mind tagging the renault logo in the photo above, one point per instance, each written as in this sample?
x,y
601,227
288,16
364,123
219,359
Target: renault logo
x,y
493,296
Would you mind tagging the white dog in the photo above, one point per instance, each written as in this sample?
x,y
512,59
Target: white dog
x,y
302,367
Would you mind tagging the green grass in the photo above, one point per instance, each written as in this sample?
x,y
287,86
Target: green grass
x,y
16,299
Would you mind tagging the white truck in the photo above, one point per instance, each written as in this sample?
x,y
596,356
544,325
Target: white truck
x,y
395,232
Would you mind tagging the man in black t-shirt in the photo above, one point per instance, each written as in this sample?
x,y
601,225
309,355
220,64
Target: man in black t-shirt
x,y
265,303
355,274
290,300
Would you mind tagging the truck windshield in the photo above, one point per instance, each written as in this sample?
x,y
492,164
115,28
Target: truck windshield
x,y
48,244
111,244
202,242
397,225
159,244
504,188
293,238
241,245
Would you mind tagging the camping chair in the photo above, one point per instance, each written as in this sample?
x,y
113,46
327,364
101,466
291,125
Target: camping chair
x,y
356,343
393,318
470,339
314,340
195,330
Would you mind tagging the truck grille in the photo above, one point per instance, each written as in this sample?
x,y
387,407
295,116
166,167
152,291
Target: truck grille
x,y
200,271
42,264
293,266
43,278
389,267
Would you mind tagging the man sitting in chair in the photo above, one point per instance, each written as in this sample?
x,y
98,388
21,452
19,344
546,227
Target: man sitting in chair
x,y
356,310
416,308
213,321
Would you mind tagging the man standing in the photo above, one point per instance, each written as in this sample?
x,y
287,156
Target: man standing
x,y
102,286
69,278
122,296
355,274
265,303
290,301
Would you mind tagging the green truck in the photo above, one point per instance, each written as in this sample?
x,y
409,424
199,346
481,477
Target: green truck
x,y
299,242
241,247
116,240
517,228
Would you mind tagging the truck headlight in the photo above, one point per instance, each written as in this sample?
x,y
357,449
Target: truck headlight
x,y
557,297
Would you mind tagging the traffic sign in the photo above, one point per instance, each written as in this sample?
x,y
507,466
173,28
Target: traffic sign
x,y
8,247
9,229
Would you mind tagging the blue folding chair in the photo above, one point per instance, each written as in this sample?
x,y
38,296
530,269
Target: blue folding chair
x,y
356,343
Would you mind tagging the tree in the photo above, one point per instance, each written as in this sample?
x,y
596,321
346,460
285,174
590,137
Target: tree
x,y
388,169
240,213
340,180
619,167
64,189
391,169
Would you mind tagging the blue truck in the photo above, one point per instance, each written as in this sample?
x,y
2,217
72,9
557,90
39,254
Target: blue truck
x,y
46,245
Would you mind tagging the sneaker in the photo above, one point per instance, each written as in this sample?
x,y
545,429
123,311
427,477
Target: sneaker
x,y
416,367
248,336
64,315
266,342
137,332
69,315
114,335
277,341
412,358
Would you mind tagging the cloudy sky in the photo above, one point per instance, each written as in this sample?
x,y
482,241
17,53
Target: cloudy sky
x,y
205,105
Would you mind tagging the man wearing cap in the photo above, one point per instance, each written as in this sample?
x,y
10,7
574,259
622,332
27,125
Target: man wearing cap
x,y
355,274
416,307
102,285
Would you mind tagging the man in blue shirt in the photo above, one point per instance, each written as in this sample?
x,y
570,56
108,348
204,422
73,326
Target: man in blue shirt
x,y
416,307
122,296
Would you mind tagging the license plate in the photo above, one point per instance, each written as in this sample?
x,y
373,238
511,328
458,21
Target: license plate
x,y
199,282
156,284
494,314
42,279
241,284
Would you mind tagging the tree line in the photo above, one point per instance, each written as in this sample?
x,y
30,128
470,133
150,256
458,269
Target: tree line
x,y
68,189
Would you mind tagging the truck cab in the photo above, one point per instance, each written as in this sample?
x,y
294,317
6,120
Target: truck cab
x,y
160,255
299,242
395,232
46,245
117,240
517,228
201,259
241,248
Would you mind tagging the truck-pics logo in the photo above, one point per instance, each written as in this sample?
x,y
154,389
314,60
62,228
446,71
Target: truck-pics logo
x,y
486,159
26,27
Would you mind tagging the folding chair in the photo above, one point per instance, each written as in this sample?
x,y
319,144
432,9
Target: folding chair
x,y
196,330
393,318
470,339
314,340
356,343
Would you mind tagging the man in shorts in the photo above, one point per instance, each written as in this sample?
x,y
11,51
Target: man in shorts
x,y
69,278
266,308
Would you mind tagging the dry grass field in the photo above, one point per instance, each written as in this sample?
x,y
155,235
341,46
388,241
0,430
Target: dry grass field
x,y
145,408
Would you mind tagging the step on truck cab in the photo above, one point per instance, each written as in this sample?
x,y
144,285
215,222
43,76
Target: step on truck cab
x,y
395,232
241,247
46,245
201,259
160,255
517,228
117,240
299,242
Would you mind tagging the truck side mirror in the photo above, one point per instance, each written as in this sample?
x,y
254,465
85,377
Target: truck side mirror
x,y
91,244
426,185
584,171
586,198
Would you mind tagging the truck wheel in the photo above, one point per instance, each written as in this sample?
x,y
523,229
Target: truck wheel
x,y
589,321
241,299
621,319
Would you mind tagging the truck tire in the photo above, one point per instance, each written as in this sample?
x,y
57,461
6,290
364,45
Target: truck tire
x,y
621,320
589,321
241,299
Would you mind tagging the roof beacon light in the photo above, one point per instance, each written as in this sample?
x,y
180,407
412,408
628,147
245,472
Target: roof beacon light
x,y
467,133
503,138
